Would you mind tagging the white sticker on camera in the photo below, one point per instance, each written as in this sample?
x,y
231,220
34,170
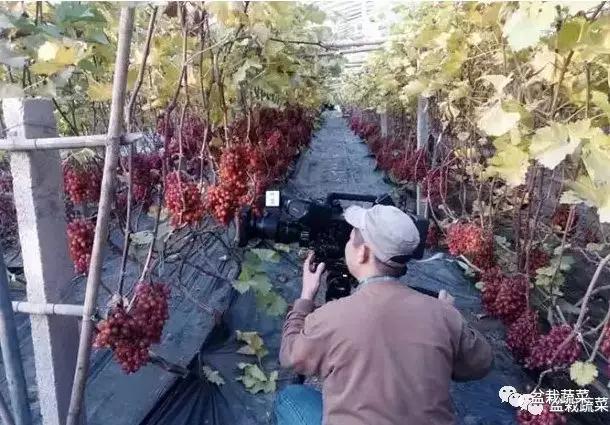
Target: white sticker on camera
x,y
272,198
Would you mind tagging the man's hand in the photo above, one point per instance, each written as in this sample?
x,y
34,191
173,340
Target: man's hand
x,y
311,279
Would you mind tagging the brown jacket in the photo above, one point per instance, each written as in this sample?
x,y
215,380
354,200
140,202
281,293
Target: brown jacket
x,y
386,353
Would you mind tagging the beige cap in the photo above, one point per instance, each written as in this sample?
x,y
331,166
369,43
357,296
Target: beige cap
x,y
389,231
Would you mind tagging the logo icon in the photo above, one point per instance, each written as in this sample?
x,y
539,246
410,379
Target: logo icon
x,y
509,394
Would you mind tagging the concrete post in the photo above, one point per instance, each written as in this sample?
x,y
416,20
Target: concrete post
x,y
423,132
38,188
383,123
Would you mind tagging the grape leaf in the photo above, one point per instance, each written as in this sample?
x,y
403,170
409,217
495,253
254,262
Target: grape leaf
x,y
569,34
544,65
584,190
255,380
255,345
510,163
266,255
596,157
495,121
271,303
525,26
212,376
583,373
550,145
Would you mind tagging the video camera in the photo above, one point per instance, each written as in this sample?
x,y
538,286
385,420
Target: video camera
x,y
319,226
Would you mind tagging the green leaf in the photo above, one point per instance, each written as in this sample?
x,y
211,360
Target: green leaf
x,y
495,121
266,255
282,247
596,157
569,34
583,373
255,380
255,345
550,145
600,99
510,163
585,190
525,26
212,376
271,303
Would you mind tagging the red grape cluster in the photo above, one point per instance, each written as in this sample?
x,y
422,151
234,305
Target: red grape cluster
x,y
145,174
544,354
545,418
511,300
473,242
81,232
183,199
82,183
538,259
223,199
413,166
504,297
523,334
129,334
193,133
492,278
560,218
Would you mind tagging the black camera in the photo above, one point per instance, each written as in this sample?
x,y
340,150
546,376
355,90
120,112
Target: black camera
x,y
319,226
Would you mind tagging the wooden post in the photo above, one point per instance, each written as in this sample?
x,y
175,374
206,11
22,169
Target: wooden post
x,y
423,131
38,188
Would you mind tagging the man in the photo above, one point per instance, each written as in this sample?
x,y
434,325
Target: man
x,y
386,353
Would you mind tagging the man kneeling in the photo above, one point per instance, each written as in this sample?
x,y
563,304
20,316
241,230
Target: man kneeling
x,y
386,353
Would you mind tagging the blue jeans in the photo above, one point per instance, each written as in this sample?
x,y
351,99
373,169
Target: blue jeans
x,y
298,405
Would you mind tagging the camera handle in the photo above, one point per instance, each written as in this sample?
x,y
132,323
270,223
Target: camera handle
x,y
384,199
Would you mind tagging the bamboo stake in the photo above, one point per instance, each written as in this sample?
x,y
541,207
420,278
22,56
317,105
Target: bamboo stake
x,y
101,231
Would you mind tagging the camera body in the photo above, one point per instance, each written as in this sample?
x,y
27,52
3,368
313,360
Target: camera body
x,y
319,226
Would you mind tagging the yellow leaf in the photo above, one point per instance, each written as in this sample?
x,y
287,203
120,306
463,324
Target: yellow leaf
x,y
510,164
47,51
528,24
99,92
550,145
584,190
596,157
66,55
46,68
583,373
495,121
544,65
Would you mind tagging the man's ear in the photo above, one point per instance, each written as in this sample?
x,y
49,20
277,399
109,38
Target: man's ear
x,y
363,253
